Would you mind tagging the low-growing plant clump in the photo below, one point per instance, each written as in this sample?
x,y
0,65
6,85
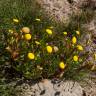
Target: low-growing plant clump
x,y
36,47
39,51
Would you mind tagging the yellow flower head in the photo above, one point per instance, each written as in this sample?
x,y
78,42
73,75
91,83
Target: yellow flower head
x,y
15,20
49,49
79,47
65,33
37,19
74,40
49,31
25,30
31,56
78,32
75,58
62,65
28,36
38,43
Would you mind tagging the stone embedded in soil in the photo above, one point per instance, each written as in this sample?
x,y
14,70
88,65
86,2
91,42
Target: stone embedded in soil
x,y
47,88
56,9
62,10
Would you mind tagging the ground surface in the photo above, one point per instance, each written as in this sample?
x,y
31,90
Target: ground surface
x,y
55,87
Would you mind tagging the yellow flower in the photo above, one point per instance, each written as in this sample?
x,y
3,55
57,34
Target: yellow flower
x,y
75,58
15,20
55,48
78,32
37,19
31,56
49,31
38,43
79,47
65,33
25,30
28,36
74,40
49,49
62,65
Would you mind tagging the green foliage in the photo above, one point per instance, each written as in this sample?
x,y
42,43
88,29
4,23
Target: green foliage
x,y
6,89
15,47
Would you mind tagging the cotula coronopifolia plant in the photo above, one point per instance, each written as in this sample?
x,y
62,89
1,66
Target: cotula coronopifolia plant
x,y
39,51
